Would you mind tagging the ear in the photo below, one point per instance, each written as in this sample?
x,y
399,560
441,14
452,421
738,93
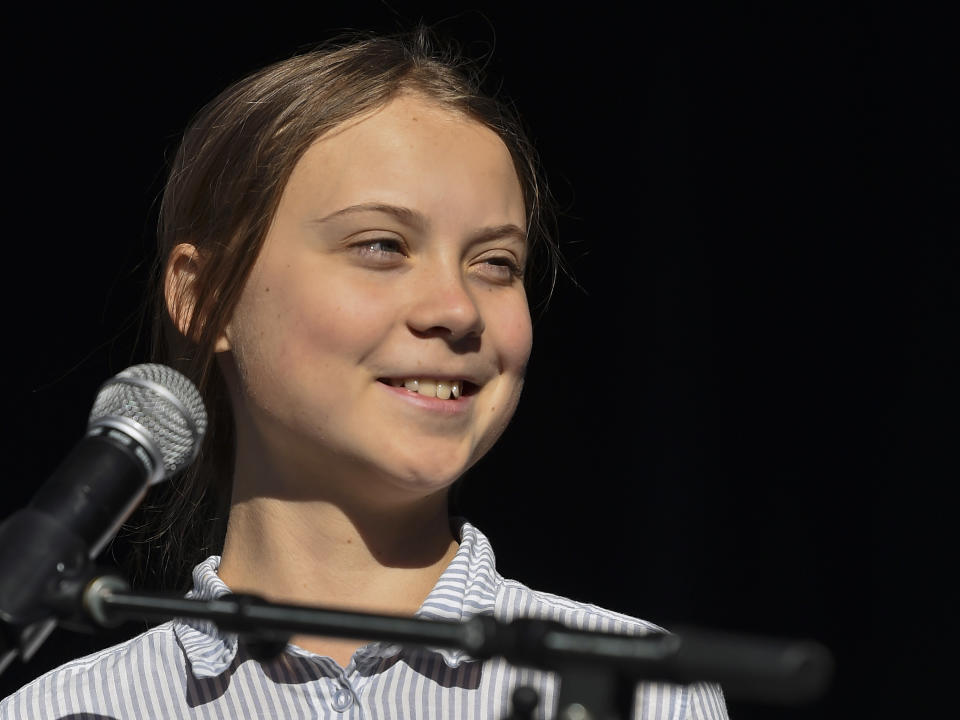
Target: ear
x,y
179,287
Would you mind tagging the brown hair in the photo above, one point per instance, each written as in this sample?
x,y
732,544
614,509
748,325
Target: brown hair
x,y
221,195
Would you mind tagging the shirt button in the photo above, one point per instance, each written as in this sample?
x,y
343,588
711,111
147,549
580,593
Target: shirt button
x,y
342,699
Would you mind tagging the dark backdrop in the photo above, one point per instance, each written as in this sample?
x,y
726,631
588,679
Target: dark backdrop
x,y
742,418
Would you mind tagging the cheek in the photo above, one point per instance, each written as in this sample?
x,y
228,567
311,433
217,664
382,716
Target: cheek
x,y
341,323
295,347
515,339
316,309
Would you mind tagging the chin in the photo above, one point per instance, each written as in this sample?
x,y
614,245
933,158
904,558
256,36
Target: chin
x,y
423,477
428,467
425,481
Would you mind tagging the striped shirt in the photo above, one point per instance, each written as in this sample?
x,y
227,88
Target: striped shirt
x,y
187,669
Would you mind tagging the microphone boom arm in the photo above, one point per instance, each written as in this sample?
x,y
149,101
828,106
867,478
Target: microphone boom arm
x,y
595,668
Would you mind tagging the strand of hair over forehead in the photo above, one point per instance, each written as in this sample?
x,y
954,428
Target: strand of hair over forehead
x,y
419,45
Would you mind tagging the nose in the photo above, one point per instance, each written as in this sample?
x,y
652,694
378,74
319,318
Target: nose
x,y
444,306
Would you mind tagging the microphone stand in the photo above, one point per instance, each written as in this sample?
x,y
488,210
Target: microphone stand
x,y
597,671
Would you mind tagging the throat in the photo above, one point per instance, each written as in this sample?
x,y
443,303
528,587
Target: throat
x,y
321,559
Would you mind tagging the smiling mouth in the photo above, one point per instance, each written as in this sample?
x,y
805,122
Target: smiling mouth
x,y
443,389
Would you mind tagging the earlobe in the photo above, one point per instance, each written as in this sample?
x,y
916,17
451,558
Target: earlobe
x,y
223,342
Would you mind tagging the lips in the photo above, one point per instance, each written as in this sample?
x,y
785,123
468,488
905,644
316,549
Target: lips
x,y
442,388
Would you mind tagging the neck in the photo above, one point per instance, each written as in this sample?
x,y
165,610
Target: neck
x,y
318,552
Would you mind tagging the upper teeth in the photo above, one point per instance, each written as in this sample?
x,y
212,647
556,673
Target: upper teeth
x,y
443,389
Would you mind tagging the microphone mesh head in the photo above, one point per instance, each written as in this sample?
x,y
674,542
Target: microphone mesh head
x,y
142,393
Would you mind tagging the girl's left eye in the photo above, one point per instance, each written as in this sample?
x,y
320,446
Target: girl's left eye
x,y
503,268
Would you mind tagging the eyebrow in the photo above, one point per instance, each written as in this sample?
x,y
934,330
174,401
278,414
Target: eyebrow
x,y
403,214
417,220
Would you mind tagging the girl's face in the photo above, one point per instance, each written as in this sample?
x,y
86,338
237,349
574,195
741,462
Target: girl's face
x,y
394,261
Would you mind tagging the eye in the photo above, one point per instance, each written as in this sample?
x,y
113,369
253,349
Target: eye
x,y
382,246
380,251
502,268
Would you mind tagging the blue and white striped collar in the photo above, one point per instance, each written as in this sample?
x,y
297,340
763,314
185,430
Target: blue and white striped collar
x,y
467,587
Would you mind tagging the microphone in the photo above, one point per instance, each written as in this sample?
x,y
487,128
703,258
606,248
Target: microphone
x,y
147,424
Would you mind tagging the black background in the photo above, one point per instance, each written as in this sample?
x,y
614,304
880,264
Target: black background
x,y
744,419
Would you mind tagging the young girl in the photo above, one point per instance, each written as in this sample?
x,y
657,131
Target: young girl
x,y
347,238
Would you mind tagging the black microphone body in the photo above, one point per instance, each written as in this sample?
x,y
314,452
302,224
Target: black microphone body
x,y
73,515
114,471
146,425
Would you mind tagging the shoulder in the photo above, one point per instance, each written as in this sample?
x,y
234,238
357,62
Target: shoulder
x,y
475,577
514,599
113,682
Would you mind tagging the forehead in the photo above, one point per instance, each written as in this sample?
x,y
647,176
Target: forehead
x,y
412,151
